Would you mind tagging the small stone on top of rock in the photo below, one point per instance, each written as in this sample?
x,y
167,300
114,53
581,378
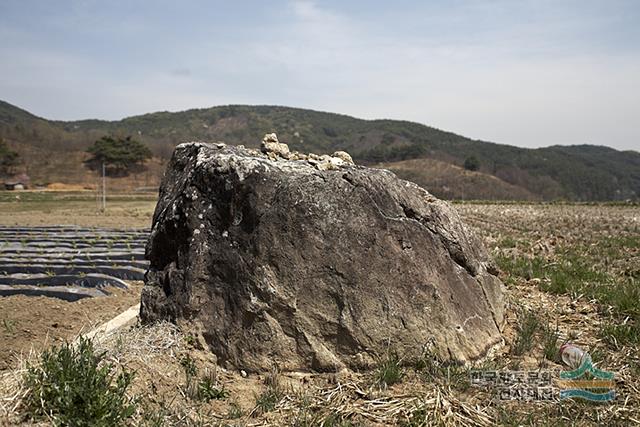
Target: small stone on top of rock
x,y
344,156
275,150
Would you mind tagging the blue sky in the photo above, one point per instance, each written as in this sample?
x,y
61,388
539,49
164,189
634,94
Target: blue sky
x,y
527,73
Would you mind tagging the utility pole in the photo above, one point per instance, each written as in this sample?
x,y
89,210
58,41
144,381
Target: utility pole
x,y
104,188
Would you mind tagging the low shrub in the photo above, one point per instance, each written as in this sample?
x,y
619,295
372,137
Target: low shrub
x,y
72,385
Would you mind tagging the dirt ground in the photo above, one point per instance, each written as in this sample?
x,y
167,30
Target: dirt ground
x,y
34,323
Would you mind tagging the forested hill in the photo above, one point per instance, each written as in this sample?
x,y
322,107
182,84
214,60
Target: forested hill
x,y
580,172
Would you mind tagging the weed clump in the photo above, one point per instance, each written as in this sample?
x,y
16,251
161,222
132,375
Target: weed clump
x,y
72,385
528,324
269,398
267,401
204,388
550,342
389,370
208,389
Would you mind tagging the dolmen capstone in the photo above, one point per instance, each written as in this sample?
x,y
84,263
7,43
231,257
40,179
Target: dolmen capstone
x,y
314,263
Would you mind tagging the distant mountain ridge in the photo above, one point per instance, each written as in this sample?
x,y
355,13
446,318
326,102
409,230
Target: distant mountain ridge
x,y
579,172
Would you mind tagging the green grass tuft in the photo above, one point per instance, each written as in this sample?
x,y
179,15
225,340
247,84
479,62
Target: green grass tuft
x,y
528,324
618,335
550,342
269,398
208,389
389,370
72,385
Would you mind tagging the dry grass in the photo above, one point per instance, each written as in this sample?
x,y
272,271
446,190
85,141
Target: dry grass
x,y
12,391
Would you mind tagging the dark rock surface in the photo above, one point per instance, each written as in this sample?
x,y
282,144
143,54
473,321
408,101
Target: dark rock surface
x,y
276,261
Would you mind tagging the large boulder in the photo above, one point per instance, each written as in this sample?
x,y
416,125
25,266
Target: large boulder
x,y
290,262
